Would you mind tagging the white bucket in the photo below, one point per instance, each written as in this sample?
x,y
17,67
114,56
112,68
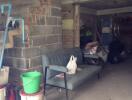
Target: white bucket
x,y
4,74
3,93
36,96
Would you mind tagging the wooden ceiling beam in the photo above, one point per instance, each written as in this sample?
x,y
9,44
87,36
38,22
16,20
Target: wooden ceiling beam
x,y
114,11
76,1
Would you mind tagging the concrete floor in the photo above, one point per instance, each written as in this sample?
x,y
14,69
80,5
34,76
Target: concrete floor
x,y
115,84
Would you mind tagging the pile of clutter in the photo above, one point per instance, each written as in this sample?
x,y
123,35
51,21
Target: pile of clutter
x,y
29,89
93,48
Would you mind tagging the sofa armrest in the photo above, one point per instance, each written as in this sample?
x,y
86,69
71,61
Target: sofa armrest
x,y
57,68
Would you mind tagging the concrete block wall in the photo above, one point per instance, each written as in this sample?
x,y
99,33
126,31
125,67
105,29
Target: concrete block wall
x,y
43,25
46,23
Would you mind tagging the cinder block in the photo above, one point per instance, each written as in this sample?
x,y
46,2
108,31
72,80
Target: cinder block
x,y
3,19
45,2
52,47
14,52
59,21
55,12
56,3
39,30
67,38
31,52
18,41
20,11
37,19
16,62
25,2
51,20
68,45
60,39
44,49
41,20
36,61
38,40
22,52
52,39
57,30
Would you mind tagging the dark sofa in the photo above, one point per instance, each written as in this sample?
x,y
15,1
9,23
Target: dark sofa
x,y
55,62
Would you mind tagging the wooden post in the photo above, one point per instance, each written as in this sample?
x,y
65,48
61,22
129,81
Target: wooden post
x,y
76,39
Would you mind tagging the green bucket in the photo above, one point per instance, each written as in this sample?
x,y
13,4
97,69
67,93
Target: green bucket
x,y
31,82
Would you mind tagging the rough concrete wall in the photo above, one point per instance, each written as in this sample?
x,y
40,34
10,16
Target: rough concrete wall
x,y
45,33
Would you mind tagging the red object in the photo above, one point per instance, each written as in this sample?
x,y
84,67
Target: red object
x,y
12,95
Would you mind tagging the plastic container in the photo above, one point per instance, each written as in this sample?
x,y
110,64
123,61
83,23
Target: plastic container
x,y
31,82
2,93
4,74
37,96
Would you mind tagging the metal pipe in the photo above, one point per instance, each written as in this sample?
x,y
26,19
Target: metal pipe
x,y
9,6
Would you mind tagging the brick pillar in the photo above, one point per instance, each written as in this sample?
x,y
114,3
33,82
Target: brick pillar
x,y
68,26
71,25
77,25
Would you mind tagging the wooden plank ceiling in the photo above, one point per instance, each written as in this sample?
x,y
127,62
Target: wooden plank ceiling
x,y
101,4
